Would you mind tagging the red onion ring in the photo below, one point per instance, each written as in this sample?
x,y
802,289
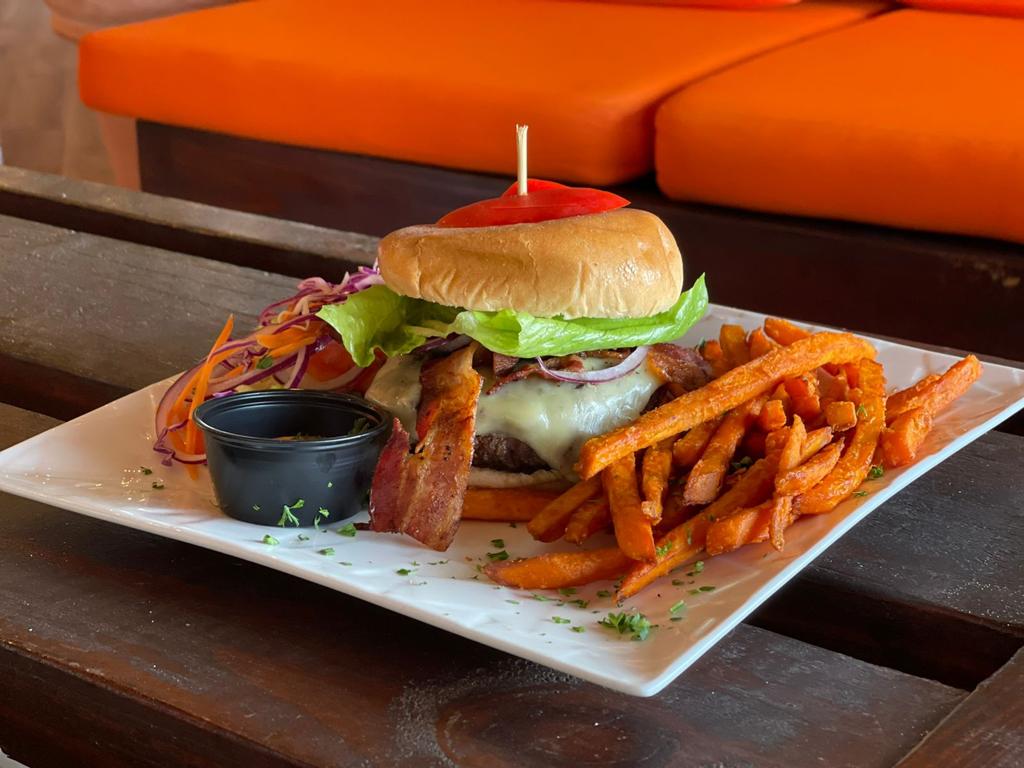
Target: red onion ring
x,y
602,375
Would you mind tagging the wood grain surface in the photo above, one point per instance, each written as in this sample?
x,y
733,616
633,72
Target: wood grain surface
x,y
168,654
286,247
985,731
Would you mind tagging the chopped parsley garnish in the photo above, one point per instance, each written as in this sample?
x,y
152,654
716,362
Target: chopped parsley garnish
x,y
708,589
403,571
326,552
348,529
578,629
568,591
694,591
677,582
359,426
663,549
862,412
342,562
743,463
677,607
287,518
330,484
323,512
303,537
496,556
541,598
676,618
560,620
860,494
513,602
635,624
875,472
146,470
255,507
579,603
265,362
498,543
689,537
603,593
268,539
158,485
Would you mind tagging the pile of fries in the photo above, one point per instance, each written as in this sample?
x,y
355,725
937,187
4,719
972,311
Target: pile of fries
x,y
792,424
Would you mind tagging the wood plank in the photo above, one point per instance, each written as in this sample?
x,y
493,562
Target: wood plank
x,y
117,313
985,731
285,247
122,648
20,424
772,264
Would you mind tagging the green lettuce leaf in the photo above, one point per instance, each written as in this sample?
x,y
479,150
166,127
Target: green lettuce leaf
x,y
378,318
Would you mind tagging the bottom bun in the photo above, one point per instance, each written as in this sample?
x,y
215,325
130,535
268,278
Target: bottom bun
x,y
480,477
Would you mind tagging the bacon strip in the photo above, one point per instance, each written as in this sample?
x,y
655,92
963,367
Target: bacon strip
x,y
682,368
421,493
572,363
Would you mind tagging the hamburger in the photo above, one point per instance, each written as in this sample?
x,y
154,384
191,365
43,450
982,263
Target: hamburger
x,y
512,335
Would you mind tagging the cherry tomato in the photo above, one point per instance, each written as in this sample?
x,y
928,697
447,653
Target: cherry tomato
x,y
546,200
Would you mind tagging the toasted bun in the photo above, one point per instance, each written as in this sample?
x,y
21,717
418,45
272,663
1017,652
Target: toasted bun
x,y
622,263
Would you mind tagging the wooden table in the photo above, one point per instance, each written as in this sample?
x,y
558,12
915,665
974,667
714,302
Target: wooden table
x,y
118,648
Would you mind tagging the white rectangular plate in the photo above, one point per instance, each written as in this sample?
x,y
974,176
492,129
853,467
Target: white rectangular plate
x,y
92,465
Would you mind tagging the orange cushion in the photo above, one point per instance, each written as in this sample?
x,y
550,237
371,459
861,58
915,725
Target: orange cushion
x,y
912,119
989,7
439,82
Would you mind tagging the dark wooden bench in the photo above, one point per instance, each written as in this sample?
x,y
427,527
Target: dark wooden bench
x,y
121,648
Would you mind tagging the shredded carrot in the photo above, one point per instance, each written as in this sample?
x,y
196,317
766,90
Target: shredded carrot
x,y
202,380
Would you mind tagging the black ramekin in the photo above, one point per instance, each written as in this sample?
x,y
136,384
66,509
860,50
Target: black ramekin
x,y
255,475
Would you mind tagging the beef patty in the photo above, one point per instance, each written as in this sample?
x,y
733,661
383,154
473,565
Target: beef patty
x,y
505,454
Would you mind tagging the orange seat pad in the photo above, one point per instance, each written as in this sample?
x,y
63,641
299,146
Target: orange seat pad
x,y
913,119
440,81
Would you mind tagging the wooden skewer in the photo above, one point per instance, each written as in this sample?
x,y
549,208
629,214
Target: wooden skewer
x,y
521,156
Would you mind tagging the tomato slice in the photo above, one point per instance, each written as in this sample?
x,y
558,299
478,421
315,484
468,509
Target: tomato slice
x,y
330,362
546,200
532,185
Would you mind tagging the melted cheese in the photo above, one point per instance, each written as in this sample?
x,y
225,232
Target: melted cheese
x,y
553,418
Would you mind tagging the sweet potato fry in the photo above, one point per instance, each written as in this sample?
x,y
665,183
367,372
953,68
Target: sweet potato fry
x,y
734,345
739,529
685,541
832,388
654,471
706,477
851,469
815,441
688,448
934,394
759,343
841,415
747,526
803,477
715,356
776,439
592,517
728,391
902,439
632,528
676,511
782,506
792,449
804,392
560,569
505,505
549,524
783,331
773,416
